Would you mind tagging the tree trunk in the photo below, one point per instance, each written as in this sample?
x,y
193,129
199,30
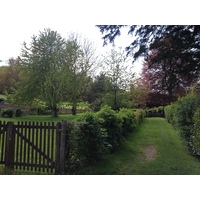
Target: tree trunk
x,y
73,110
55,112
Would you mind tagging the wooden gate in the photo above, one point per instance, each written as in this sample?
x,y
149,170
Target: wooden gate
x,y
33,146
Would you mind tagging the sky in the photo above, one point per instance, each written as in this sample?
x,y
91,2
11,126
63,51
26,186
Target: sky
x,y
21,19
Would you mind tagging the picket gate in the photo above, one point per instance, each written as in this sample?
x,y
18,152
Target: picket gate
x,y
33,146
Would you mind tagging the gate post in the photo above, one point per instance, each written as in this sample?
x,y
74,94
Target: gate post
x,y
61,129
10,145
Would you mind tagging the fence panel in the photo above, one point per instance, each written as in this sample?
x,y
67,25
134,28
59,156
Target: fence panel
x,y
33,146
34,142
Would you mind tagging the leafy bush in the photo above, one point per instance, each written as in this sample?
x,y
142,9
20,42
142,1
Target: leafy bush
x,y
185,110
185,117
139,114
18,113
95,134
195,137
129,121
88,139
112,124
155,112
7,113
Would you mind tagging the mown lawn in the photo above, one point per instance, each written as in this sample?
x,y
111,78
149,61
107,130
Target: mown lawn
x,y
171,156
41,118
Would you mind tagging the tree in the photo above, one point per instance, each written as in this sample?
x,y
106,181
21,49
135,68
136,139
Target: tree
x,y
163,76
10,76
138,93
80,61
98,88
44,67
118,70
185,41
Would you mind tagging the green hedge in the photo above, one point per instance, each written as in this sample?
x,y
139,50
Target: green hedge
x,y
155,112
96,134
185,117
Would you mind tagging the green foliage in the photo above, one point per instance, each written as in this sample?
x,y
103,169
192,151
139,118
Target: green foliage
x,y
184,115
7,113
88,139
139,114
129,121
97,134
112,123
155,112
195,137
117,101
18,113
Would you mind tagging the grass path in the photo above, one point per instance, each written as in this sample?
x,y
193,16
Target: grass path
x,y
167,153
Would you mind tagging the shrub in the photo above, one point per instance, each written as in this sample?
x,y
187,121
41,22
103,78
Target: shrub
x,y
95,134
155,112
18,113
129,121
111,123
184,115
185,110
139,114
195,137
7,113
88,139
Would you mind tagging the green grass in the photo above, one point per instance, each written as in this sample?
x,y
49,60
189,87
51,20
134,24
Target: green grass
x,y
41,118
172,157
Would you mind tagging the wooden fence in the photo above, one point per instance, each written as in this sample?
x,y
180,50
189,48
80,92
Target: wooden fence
x,y
33,146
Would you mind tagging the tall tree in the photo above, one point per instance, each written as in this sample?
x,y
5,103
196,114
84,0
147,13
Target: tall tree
x,y
80,62
117,68
44,65
185,41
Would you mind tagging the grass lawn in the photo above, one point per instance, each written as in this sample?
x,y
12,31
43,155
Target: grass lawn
x,y
41,118
167,153
155,148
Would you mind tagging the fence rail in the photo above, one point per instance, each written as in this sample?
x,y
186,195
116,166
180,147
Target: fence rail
x,y
33,146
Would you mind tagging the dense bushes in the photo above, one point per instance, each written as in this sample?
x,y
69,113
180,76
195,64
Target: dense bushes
x,y
155,112
184,115
10,112
7,113
95,134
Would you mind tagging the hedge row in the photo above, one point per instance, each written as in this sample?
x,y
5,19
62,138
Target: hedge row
x,y
9,113
96,134
185,117
155,112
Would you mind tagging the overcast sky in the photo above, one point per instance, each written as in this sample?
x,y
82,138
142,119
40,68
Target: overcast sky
x,y
21,19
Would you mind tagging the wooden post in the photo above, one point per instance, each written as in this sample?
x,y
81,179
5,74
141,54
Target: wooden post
x,y
58,136
10,145
60,147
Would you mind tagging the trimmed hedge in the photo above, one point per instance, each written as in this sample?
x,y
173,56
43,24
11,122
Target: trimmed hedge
x,y
184,116
155,112
96,134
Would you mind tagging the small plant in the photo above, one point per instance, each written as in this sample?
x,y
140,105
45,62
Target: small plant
x,y
7,113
